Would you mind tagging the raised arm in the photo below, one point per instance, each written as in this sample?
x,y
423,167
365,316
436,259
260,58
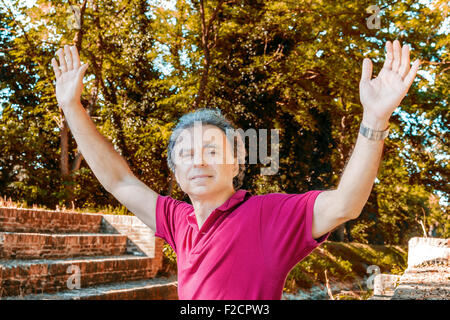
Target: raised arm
x,y
379,97
108,166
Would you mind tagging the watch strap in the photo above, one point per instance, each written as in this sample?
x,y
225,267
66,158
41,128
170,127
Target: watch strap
x,y
373,134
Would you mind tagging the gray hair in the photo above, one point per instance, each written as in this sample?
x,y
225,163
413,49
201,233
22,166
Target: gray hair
x,y
211,116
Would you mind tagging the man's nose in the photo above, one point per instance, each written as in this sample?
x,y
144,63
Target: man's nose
x,y
199,159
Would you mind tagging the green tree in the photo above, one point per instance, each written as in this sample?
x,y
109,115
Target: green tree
x,y
288,65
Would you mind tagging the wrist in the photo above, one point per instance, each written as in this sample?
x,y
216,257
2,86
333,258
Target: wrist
x,y
69,105
375,123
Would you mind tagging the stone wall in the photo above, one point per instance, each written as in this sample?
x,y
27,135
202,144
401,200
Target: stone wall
x,y
422,250
427,276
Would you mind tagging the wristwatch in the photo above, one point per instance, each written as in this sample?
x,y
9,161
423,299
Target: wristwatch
x,y
373,134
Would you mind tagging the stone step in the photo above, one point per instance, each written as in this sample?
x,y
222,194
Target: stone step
x,y
23,277
425,282
152,289
38,220
380,297
14,245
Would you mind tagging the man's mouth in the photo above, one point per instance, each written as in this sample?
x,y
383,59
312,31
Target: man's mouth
x,y
201,176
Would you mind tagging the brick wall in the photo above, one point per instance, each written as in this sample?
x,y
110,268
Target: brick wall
x,y
39,247
141,237
35,220
47,246
52,276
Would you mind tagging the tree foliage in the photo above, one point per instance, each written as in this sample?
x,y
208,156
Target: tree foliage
x,y
287,65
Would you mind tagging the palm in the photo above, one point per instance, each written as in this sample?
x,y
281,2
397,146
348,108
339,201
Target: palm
x,y
382,95
385,90
68,87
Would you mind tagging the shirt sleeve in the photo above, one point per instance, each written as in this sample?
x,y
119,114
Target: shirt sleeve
x,y
286,228
169,218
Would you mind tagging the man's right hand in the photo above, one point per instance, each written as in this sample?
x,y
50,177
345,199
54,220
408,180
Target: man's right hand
x,y
108,165
69,76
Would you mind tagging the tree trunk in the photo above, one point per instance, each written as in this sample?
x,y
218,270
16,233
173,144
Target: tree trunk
x,y
206,45
343,231
348,229
64,158
68,178
340,233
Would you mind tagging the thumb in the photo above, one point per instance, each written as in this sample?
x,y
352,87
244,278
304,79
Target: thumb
x,y
82,70
366,70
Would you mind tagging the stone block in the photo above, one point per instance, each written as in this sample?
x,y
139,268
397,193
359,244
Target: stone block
x,y
385,284
421,250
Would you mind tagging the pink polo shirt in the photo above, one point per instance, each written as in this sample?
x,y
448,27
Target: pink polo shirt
x,y
245,248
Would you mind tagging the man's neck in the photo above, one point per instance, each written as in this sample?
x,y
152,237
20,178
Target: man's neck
x,y
204,206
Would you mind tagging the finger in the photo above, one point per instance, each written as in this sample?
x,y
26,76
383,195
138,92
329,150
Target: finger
x,y
68,54
389,56
75,57
62,60
56,68
411,74
367,67
404,66
397,56
82,70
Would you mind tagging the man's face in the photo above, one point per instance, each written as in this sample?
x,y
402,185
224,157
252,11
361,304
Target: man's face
x,y
204,162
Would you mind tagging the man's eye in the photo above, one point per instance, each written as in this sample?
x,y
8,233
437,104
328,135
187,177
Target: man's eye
x,y
186,155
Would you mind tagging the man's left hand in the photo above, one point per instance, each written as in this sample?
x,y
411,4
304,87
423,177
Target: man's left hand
x,y
382,95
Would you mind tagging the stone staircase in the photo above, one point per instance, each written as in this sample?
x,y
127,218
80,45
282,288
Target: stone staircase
x,y
66,255
427,276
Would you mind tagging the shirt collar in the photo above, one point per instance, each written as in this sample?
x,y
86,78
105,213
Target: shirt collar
x,y
236,199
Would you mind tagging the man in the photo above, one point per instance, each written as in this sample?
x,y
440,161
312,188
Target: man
x,y
231,244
